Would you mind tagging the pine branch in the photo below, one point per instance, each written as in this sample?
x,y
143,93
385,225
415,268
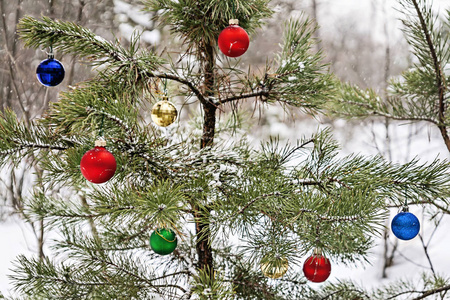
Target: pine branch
x,y
72,38
149,282
185,272
301,79
24,146
260,94
339,219
200,96
431,292
67,37
378,109
116,120
440,77
399,289
285,200
277,194
74,282
389,116
443,209
20,140
345,291
199,23
424,295
411,98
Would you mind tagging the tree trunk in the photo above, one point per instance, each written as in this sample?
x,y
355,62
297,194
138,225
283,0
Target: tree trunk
x,y
204,249
316,33
79,18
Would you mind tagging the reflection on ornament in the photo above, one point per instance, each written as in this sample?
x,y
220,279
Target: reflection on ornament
x,y
317,268
98,165
164,113
163,241
50,72
274,268
405,225
233,41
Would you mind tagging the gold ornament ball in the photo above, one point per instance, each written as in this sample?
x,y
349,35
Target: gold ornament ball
x,y
274,269
164,113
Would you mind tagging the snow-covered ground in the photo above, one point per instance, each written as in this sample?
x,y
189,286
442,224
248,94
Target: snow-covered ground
x,y
18,238
406,142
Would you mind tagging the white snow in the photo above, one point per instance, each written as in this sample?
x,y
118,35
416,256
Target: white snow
x,y
151,37
17,238
126,30
365,138
407,141
133,12
447,70
140,22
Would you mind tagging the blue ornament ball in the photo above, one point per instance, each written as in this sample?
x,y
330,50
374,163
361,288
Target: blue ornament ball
x,y
405,226
50,72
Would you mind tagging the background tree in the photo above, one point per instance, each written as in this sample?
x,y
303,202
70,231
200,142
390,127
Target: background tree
x,y
21,93
282,202
420,94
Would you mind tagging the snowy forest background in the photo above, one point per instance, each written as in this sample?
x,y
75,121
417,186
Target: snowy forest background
x,y
362,41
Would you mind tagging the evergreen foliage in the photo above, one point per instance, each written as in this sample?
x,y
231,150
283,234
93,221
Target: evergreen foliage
x,y
421,93
279,202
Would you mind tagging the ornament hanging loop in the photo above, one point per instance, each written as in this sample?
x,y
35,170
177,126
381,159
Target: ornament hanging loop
x,y
234,5
50,53
165,87
165,97
100,131
317,242
405,207
234,21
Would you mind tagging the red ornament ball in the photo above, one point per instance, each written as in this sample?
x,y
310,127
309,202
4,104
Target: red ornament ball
x,y
233,41
98,165
317,268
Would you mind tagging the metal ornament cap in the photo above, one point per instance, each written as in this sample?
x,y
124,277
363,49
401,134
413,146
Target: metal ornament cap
x,y
274,269
405,226
164,113
100,143
50,72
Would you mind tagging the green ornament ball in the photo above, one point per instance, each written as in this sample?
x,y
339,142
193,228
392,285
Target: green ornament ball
x,y
163,241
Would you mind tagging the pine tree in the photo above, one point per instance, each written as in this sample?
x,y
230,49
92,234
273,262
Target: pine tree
x,y
421,93
238,212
